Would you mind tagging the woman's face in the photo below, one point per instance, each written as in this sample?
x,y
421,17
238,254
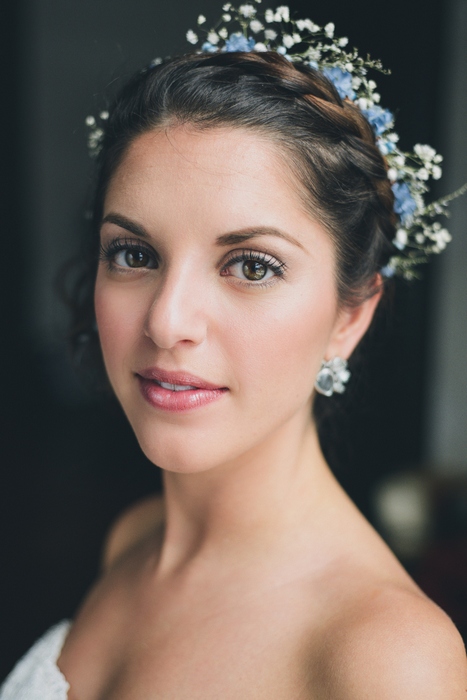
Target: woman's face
x,y
212,276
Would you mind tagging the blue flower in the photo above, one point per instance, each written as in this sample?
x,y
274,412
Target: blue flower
x,y
207,47
342,81
238,42
379,118
405,205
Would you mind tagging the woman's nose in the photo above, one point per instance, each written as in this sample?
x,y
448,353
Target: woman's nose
x,y
178,312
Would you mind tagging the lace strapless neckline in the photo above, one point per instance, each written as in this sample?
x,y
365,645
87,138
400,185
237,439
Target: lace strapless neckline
x,y
36,676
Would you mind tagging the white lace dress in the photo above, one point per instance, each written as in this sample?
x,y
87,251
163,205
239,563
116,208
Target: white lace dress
x,y
36,676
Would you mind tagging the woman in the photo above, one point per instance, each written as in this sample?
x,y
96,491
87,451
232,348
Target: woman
x,y
244,215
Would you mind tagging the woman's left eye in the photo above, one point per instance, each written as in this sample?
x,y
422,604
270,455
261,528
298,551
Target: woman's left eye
x,y
253,266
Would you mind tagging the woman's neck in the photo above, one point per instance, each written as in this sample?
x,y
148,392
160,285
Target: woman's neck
x,y
244,506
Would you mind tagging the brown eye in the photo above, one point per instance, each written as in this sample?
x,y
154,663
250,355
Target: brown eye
x,y
254,270
136,258
133,258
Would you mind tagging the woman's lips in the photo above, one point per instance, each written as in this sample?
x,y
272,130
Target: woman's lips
x,y
176,391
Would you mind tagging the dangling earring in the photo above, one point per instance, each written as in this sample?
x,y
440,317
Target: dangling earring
x,y
332,377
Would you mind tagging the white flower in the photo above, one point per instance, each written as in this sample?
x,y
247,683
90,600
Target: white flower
x,y
349,67
423,174
426,153
401,239
420,238
270,34
260,46
438,158
376,97
392,174
363,103
256,26
227,17
282,50
372,85
213,37
343,41
296,37
191,36
227,6
104,115
307,24
437,172
393,137
288,41
223,33
90,121
269,15
399,160
247,10
356,82
329,30
313,54
201,19
282,13
314,28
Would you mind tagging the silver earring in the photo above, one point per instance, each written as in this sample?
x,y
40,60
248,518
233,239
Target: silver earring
x,y
332,377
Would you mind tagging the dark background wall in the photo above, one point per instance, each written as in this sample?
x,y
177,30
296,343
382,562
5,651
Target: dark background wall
x,y
69,462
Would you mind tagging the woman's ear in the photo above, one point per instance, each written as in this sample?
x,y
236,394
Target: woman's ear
x,y
352,323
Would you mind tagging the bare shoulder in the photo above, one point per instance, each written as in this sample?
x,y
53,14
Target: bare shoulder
x,y
131,527
394,645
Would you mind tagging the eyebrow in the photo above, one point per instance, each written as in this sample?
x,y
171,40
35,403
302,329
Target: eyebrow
x,y
226,239
246,234
125,223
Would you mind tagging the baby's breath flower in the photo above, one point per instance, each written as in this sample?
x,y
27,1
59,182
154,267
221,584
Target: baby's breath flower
x,y
256,26
401,239
90,121
213,37
329,30
270,34
376,97
226,17
438,158
260,46
426,153
372,85
191,37
343,41
227,6
223,33
423,174
437,172
392,174
282,13
349,67
247,10
201,19
288,41
296,37
104,115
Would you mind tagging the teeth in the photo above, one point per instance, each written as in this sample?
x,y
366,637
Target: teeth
x,y
176,387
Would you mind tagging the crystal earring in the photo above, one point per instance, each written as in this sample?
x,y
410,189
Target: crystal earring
x,y
332,377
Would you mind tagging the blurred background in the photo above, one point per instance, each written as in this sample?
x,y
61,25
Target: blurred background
x,y
69,462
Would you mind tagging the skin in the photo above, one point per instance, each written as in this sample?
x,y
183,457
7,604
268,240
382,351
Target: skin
x,y
257,577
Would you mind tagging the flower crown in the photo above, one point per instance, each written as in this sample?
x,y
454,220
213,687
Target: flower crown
x,y
419,233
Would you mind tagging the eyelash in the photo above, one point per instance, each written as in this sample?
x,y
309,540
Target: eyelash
x,y
108,253
277,267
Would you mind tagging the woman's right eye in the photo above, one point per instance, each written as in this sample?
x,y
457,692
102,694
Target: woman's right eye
x,y
124,255
134,258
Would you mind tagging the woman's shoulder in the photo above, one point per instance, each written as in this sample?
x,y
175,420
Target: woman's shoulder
x,y
392,642
134,525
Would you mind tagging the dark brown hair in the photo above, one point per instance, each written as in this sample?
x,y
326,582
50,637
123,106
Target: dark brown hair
x,y
326,141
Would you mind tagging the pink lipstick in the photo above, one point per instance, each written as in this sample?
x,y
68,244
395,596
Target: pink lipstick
x,y
176,392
